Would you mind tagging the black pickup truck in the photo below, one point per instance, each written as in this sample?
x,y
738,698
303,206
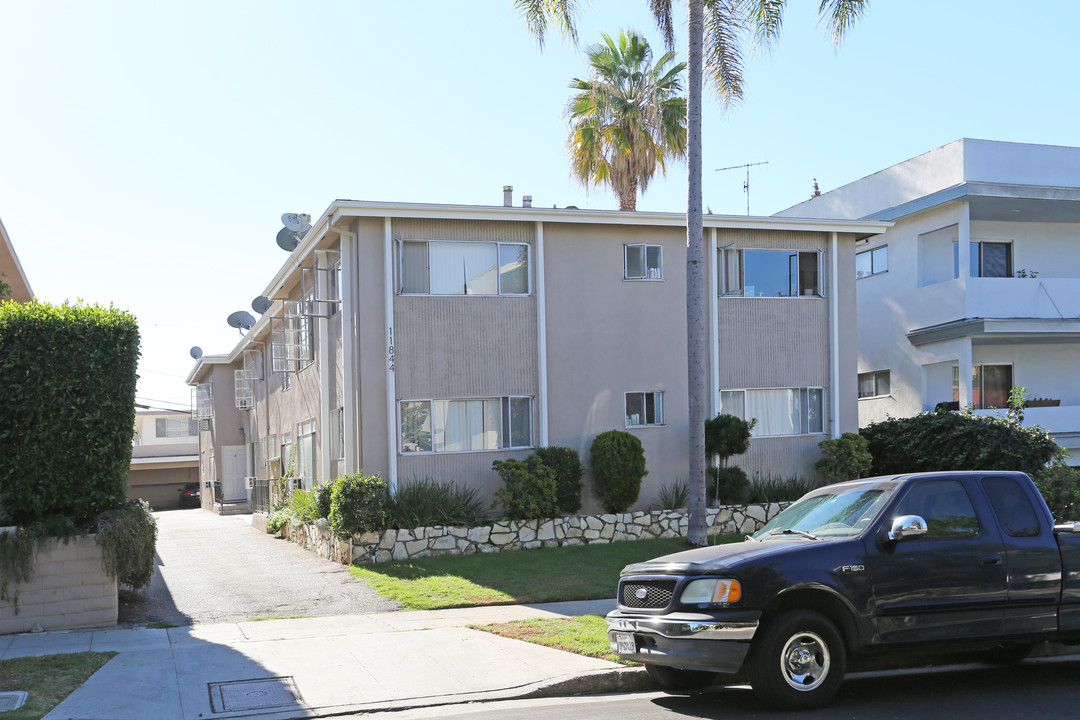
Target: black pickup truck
x,y
867,570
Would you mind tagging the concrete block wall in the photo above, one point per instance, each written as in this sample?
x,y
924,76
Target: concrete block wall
x,y
68,589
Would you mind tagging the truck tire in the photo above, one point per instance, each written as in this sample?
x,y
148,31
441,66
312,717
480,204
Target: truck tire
x,y
676,680
797,660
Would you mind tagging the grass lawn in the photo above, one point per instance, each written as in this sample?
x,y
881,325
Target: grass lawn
x,y
47,680
579,572
584,635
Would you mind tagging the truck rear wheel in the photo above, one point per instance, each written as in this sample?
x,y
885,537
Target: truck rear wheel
x,y
676,680
797,660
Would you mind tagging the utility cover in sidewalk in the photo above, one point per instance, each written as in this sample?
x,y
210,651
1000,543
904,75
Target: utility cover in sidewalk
x,y
12,700
253,694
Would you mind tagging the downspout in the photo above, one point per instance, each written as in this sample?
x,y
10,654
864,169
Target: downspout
x,y
541,337
349,401
714,322
391,381
834,335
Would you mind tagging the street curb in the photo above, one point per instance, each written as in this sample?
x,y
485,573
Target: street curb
x,y
597,682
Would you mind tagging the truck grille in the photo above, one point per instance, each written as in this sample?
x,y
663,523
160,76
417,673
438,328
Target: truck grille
x,y
646,594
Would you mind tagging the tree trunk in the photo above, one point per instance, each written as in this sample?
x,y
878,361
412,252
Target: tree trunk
x,y
628,198
697,376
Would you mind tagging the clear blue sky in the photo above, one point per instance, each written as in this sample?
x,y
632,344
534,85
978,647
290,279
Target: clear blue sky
x,y
148,149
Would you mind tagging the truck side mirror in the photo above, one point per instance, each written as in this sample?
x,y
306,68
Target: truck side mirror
x,y
905,527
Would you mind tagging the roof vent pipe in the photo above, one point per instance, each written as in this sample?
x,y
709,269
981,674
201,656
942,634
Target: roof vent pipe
x,y
526,201
508,195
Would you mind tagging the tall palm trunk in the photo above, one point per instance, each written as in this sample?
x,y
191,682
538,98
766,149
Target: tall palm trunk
x,y
628,197
697,377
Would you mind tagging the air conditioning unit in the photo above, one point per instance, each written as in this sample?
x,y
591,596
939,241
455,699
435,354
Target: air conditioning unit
x,y
250,483
298,483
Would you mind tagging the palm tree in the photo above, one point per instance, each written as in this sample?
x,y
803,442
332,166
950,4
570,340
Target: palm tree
x,y
627,118
717,32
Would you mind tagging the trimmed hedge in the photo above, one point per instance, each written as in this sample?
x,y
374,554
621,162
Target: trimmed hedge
x,y
618,464
531,491
67,388
948,440
568,470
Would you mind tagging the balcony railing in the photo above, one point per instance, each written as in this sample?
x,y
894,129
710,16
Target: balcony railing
x,y
1052,298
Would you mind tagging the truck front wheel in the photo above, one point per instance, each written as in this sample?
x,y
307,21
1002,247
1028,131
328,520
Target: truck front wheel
x,y
797,660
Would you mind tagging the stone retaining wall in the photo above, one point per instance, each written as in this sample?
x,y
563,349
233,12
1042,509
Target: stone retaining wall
x,y
68,589
524,534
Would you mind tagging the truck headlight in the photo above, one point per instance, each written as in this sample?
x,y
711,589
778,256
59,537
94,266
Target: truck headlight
x,y
711,591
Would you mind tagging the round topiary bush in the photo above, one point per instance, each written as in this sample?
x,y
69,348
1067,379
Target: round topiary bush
x,y
618,466
568,470
727,486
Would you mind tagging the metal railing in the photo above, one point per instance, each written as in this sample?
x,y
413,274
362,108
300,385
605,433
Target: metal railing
x,y
260,496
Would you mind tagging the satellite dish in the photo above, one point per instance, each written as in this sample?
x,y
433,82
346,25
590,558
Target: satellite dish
x,y
241,320
261,304
196,352
297,222
288,239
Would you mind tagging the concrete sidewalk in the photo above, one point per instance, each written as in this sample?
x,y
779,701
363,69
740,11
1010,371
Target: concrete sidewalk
x,y
311,667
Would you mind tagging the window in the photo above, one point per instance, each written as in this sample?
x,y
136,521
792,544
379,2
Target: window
x,y
644,409
466,425
287,458
337,434
778,411
987,259
770,273
175,427
463,268
305,452
873,384
945,506
990,385
1012,507
643,262
872,262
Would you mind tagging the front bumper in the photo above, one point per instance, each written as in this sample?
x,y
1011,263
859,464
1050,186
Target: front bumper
x,y
689,641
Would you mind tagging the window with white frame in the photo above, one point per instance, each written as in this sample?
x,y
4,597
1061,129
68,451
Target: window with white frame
x,y
435,267
770,273
872,262
175,427
644,409
288,460
337,434
305,452
985,259
778,411
643,262
466,425
874,384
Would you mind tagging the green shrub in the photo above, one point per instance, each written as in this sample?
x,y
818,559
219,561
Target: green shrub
x,y
727,436
1060,487
67,379
727,486
774,490
425,503
846,458
358,504
674,496
277,520
568,472
323,493
302,507
128,536
618,465
530,491
957,441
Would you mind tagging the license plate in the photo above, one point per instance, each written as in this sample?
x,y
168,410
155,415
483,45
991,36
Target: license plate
x,y
624,644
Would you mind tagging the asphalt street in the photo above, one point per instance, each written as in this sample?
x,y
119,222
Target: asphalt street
x,y
1034,689
212,569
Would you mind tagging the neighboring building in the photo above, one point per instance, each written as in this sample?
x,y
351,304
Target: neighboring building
x,y
164,457
933,329
11,271
426,341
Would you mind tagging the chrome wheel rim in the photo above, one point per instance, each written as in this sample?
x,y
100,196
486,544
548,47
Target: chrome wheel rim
x,y
805,661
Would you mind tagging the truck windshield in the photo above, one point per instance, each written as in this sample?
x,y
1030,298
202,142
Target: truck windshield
x,y
830,512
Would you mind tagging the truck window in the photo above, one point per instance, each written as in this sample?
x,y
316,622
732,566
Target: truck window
x,y
945,506
1011,506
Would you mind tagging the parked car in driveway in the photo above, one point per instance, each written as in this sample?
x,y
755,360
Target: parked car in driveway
x,y
875,568
189,495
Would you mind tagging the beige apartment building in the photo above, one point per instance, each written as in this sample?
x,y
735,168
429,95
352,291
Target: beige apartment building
x,y
426,341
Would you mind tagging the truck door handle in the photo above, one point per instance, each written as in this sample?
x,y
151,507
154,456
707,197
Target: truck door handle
x,y
992,559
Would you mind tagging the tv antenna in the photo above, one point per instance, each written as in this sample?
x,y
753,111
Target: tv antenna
x,y
296,224
746,183
241,320
196,352
261,304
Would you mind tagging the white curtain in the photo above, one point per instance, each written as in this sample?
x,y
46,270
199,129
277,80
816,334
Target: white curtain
x,y
461,425
464,268
777,411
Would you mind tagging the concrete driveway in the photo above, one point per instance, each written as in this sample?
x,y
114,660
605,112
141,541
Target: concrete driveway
x,y
213,568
